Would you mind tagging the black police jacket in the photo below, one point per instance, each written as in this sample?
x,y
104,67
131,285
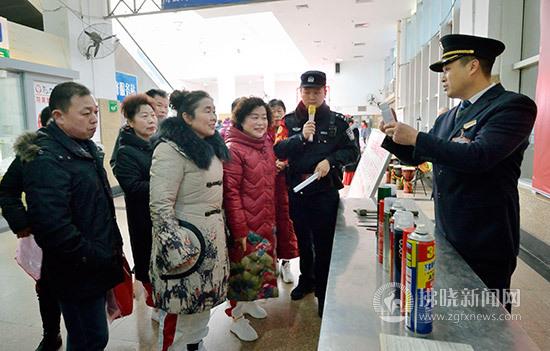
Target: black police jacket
x,y
333,140
476,164
72,215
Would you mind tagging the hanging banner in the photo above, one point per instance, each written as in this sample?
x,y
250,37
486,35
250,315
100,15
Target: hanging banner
x,y
541,171
4,38
178,4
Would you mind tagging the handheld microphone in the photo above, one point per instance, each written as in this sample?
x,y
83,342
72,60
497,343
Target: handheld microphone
x,y
311,112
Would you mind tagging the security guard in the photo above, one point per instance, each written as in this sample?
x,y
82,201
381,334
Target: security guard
x,y
476,149
314,209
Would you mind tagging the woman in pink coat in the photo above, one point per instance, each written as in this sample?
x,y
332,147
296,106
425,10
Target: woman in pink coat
x,y
249,202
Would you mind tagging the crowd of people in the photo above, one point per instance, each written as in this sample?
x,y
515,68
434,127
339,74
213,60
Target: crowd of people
x,y
211,212
210,215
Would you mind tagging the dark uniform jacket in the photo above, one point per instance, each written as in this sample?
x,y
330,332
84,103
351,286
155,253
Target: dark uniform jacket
x,y
333,140
477,163
72,215
131,169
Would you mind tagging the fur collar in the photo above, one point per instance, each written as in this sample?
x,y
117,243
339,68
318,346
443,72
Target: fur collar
x,y
176,132
25,146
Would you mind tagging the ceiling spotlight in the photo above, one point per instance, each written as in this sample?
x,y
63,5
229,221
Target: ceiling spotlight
x,y
302,7
361,25
358,56
359,44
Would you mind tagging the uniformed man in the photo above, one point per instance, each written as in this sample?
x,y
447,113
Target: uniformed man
x,y
476,149
323,145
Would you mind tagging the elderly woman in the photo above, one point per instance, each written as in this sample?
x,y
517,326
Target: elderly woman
x,y
189,265
131,169
249,202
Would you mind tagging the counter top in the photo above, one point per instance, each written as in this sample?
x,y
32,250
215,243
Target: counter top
x,y
350,321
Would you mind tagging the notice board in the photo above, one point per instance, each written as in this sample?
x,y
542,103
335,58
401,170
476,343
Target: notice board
x,y
371,167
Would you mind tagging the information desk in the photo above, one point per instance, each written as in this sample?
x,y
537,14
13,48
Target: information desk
x,y
350,321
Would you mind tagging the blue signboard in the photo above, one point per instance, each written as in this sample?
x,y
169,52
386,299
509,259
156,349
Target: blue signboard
x,y
177,4
126,84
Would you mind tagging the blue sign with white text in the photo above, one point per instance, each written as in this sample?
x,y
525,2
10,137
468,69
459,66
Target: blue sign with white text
x,y
176,4
126,84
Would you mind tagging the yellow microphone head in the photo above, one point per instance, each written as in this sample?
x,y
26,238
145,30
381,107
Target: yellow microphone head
x,y
311,110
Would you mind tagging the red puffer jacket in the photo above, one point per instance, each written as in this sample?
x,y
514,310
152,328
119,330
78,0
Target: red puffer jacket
x,y
249,185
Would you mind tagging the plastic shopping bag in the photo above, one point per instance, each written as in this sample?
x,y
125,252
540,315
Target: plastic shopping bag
x,y
29,256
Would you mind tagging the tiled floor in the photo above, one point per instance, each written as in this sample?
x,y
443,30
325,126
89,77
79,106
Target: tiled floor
x,y
291,325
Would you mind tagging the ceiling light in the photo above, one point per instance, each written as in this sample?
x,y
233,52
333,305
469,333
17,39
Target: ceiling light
x,y
316,42
361,25
359,44
302,7
338,59
358,56
362,1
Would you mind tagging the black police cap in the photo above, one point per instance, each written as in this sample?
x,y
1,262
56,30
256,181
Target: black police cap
x,y
456,46
313,79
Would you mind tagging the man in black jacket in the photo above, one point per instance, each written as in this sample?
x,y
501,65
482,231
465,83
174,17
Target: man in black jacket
x,y
477,149
314,209
15,213
73,216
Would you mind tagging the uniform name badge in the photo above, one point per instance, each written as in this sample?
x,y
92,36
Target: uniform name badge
x,y
469,124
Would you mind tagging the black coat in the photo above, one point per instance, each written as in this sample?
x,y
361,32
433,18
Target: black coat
x,y
72,215
333,140
475,183
352,167
11,188
131,169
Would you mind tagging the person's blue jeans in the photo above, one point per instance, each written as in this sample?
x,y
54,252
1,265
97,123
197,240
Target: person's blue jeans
x,y
86,323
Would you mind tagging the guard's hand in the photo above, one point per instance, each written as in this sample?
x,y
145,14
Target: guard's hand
x,y
323,168
382,126
401,133
309,129
23,233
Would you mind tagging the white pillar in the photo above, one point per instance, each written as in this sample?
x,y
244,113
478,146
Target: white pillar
x,y
226,93
269,86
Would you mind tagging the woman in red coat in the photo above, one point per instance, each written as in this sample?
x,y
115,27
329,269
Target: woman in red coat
x,y
249,202
287,244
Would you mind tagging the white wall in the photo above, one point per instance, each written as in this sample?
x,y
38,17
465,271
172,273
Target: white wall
x,y
26,42
357,80
97,75
124,62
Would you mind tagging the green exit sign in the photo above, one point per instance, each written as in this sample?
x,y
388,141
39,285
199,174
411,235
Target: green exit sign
x,y
113,106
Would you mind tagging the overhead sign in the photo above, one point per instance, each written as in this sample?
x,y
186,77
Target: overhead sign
x,y
126,84
177,4
4,39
